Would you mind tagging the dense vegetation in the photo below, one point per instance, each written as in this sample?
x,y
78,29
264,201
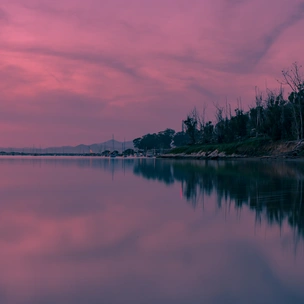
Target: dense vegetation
x,y
161,140
272,117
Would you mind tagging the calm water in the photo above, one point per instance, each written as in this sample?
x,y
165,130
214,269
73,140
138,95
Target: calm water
x,y
80,230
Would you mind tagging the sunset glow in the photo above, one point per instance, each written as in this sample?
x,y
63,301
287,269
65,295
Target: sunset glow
x,y
74,71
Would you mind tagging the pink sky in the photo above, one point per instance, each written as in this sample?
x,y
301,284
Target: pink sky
x,y
74,71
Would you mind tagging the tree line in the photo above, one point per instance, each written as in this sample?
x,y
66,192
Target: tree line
x,y
272,116
162,140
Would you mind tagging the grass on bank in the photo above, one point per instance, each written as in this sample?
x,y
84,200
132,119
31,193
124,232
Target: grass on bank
x,y
249,147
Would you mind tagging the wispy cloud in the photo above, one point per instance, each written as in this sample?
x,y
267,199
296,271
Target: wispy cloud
x,y
3,15
83,56
257,52
136,58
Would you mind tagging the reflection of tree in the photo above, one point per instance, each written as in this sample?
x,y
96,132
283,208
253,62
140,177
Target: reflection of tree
x,y
154,169
273,190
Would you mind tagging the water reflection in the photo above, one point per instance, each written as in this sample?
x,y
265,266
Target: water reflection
x,y
75,230
105,164
273,190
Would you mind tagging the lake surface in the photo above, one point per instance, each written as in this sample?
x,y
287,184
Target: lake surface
x,y
92,230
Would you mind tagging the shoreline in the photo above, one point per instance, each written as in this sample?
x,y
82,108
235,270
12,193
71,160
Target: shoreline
x,y
253,148
229,157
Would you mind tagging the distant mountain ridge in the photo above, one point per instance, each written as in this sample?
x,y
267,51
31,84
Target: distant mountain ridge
x,y
80,149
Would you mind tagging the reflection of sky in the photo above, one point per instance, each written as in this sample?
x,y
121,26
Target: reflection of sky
x,y
75,71
75,234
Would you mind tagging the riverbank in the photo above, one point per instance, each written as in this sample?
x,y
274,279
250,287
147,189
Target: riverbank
x,y
255,147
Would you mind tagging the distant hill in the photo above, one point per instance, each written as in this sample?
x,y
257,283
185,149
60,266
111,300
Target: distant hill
x,y
93,148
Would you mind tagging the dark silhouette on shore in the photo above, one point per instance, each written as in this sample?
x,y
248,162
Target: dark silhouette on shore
x,y
272,117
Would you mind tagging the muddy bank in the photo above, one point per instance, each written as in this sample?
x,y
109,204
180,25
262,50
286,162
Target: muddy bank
x,y
273,150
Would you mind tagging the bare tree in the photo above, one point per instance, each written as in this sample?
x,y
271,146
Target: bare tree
x,y
259,104
293,77
295,80
220,123
191,125
202,118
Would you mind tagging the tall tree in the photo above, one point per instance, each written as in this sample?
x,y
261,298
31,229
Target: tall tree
x,y
295,80
191,126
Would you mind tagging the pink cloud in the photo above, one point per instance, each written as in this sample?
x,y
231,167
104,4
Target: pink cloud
x,y
134,59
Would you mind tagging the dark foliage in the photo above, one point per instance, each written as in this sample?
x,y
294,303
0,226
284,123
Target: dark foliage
x,y
272,116
161,140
